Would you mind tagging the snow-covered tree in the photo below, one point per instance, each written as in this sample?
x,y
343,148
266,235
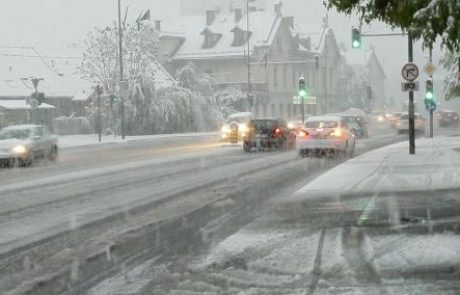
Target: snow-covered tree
x,y
140,55
425,19
451,62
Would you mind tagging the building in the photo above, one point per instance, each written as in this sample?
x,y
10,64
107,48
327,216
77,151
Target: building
x,y
219,43
199,7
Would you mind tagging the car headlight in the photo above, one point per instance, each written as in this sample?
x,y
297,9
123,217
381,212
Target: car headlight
x,y
243,128
19,149
290,125
225,129
380,118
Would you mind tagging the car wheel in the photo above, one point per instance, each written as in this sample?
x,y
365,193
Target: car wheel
x,y
26,161
53,153
246,147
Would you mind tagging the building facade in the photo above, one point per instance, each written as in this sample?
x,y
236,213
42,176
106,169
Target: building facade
x,y
278,53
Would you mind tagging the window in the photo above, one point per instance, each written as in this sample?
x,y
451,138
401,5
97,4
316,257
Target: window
x,y
275,76
240,37
294,79
279,45
281,110
273,109
289,110
210,39
285,75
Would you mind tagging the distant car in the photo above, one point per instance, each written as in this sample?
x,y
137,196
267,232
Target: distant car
x,y
268,133
22,144
328,135
393,118
402,124
235,126
448,119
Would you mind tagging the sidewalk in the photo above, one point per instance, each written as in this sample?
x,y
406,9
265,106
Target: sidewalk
x,y
67,141
436,165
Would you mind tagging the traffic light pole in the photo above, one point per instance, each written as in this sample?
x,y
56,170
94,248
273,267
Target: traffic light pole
x,y
411,103
303,110
120,42
431,110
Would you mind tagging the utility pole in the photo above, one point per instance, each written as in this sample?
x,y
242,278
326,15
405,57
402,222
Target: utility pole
x,y
99,120
249,94
411,101
120,47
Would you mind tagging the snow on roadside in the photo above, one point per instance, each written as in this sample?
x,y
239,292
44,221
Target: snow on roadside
x,y
406,253
66,141
391,168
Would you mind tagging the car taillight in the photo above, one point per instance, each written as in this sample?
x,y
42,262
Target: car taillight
x,y
302,134
336,133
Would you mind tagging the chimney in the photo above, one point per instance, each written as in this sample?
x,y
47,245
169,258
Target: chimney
x,y
210,17
238,14
278,8
158,25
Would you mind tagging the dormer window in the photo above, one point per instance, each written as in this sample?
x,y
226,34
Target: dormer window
x,y
240,37
210,38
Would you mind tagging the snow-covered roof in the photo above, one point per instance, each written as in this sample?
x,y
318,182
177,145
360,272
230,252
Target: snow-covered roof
x,y
263,26
323,118
20,104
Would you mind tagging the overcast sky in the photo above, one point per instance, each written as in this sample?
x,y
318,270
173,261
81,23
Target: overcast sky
x,y
62,22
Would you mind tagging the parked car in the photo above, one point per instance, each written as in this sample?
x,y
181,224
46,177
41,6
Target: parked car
x,y
235,126
268,133
448,119
22,144
402,124
325,135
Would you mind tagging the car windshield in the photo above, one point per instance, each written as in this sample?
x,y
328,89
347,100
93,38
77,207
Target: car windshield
x,y
15,134
262,124
229,147
321,124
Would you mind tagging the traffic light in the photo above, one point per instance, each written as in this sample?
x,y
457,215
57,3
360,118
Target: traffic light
x,y
430,103
429,89
302,88
355,37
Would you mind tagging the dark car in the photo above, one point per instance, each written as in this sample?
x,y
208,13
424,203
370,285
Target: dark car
x,y
268,134
448,119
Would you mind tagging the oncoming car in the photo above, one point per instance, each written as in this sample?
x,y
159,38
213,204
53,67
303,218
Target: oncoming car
x,y
402,124
20,145
235,126
325,135
268,133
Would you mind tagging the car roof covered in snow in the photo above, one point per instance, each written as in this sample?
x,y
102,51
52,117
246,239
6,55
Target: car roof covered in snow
x,y
323,118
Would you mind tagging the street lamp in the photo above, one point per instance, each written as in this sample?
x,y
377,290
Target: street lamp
x,y
120,53
249,94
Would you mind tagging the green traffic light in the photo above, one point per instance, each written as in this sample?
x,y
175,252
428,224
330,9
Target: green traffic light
x,y
356,44
302,93
429,95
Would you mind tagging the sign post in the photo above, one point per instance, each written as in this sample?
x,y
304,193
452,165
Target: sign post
x,y
410,73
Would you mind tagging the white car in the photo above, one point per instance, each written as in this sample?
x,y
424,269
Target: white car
x,y
325,135
23,143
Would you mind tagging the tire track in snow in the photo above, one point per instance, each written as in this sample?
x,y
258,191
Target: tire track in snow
x,y
316,272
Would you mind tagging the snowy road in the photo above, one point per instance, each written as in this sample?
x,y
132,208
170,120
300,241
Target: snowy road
x,y
97,201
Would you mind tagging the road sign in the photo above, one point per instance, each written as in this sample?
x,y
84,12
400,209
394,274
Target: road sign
x,y
429,68
409,86
410,72
307,100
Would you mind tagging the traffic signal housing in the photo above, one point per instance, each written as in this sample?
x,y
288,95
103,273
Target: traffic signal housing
x,y
430,103
302,87
356,37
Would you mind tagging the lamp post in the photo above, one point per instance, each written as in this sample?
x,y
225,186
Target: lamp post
x,y
120,53
249,94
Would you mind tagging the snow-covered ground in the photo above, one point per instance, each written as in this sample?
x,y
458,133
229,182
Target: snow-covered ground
x,y
391,169
66,141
